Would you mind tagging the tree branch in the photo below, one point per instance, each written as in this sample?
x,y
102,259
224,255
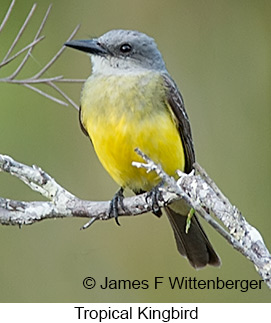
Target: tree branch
x,y
198,190
202,194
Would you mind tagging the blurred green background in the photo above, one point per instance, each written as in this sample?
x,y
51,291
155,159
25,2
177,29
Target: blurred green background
x,y
219,53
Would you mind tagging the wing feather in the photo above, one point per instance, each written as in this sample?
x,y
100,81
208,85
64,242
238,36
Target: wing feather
x,y
176,103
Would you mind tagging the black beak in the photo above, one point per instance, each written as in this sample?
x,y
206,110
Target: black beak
x,y
91,46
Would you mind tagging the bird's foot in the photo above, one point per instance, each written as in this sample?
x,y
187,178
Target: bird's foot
x,y
114,204
155,195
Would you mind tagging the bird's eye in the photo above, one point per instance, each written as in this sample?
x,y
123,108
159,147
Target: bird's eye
x,y
125,48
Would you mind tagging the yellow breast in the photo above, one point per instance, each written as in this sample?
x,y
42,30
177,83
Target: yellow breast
x,y
123,112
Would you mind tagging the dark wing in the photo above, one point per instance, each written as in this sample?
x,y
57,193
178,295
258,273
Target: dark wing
x,y
194,244
176,103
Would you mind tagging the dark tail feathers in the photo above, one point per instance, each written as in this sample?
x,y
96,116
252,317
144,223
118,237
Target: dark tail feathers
x,y
194,245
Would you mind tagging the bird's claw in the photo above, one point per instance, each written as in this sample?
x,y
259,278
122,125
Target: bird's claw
x,y
114,204
155,195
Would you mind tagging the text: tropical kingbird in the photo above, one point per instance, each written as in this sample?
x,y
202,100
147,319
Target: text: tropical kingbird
x,y
130,101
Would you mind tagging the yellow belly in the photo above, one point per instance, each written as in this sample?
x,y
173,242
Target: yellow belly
x,y
129,115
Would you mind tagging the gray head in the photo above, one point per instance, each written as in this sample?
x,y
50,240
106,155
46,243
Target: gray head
x,y
121,51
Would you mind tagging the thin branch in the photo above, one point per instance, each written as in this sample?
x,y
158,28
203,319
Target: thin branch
x,y
36,79
64,95
48,96
7,15
199,191
70,80
21,31
33,81
56,56
34,42
19,68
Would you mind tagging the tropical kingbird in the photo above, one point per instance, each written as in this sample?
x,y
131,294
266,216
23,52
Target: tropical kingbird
x,y
130,101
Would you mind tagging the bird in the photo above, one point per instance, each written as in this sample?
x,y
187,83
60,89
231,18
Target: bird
x,y
130,101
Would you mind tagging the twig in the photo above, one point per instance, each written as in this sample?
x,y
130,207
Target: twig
x,y
54,86
70,80
48,96
36,79
7,15
20,31
20,52
56,56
